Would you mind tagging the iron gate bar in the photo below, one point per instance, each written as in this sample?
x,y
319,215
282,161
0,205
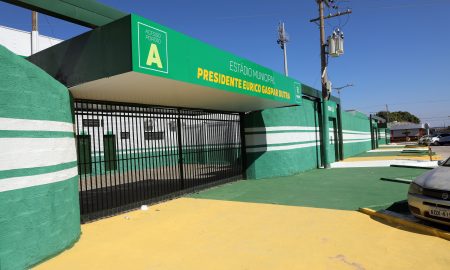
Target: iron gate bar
x,y
124,161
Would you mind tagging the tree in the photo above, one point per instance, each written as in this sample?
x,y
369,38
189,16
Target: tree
x,y
399,116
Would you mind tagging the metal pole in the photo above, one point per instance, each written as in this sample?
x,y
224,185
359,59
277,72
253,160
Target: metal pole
x,y
325,94
243,145
430,152
387,114
282,40
372,135
285,53
34,32
341,136
180,149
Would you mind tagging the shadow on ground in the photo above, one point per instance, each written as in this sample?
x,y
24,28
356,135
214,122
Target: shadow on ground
x,y
343,188
400,209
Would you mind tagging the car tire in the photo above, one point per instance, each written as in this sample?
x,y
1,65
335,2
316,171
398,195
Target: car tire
x,y
436,143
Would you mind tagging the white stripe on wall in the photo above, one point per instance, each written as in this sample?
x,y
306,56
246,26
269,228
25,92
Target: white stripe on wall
x,y
34,125
278,138
355,132
281,128
19,153
13,183
355,136
297,128
356,141
281,148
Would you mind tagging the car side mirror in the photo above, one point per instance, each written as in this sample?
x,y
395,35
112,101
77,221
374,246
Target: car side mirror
x,y
440,162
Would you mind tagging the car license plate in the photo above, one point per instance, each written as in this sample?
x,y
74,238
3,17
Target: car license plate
x,y
440,212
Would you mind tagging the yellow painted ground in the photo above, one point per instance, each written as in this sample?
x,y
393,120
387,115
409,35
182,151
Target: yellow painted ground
x,y
209,234
352,159
434,158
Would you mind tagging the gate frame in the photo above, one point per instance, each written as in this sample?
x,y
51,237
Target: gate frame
x,y
178,115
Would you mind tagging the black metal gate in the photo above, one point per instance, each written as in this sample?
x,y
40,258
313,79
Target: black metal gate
x,y
130,154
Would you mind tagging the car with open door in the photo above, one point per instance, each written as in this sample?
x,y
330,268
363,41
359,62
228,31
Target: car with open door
x,y
429,194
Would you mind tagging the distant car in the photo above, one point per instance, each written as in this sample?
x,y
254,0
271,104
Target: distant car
x,y
424,140
429,195
440,139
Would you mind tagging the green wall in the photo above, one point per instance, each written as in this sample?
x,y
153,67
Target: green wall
x,y
333,127
38,172
383,136
282,141
286,141
356,133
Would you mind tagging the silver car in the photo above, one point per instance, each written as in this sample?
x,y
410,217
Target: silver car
x,y
429,195
424,140
440,139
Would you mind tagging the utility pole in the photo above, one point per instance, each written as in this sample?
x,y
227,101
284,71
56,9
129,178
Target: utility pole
x,y
326,92
387,114
34,32
282,40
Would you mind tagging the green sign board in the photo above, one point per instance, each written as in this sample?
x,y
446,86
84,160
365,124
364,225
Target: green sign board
x,y
152,48
332,108
160,51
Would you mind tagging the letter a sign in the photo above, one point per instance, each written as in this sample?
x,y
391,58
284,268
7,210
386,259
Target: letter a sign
x,y
152,48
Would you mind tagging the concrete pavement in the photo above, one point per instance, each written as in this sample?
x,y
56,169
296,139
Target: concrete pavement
x,y
388,155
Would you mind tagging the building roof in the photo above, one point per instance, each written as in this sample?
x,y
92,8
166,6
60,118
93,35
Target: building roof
x,y
405,125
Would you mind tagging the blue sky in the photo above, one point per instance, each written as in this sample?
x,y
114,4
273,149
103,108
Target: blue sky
x,y
396,51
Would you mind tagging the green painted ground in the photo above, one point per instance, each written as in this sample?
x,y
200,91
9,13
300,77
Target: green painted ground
x,y
346,188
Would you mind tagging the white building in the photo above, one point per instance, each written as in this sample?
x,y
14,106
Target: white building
x,y
401,130
19,41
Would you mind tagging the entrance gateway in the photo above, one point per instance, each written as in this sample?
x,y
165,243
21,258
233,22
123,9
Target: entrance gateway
x,y
133,81
133,154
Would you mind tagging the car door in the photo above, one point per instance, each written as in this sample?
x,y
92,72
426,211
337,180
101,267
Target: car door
x,y
445,138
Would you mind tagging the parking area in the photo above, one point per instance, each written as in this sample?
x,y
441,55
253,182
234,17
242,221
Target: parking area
x,y
400,155
394,154
443,151
306,221
400,208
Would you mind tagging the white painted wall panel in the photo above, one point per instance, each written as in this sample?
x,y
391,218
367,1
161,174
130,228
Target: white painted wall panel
x,y
19,41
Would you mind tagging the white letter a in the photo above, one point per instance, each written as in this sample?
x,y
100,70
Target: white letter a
x,y
153,56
